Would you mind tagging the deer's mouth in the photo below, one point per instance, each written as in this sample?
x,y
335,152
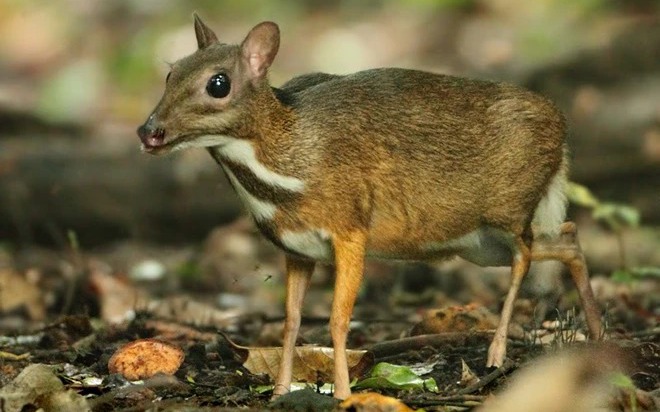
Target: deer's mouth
x,y
158,145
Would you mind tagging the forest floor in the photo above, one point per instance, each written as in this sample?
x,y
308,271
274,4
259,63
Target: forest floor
x,y
73,311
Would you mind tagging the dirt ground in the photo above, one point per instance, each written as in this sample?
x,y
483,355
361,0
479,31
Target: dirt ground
x,y
77,308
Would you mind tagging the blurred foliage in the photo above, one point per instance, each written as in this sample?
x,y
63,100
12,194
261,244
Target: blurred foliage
x,y
93,59
636,273
95,62
615,215
617,218
189,271
72,237
623,382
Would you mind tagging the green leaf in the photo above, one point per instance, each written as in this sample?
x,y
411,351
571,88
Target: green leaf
x,y
616,215
387,375
646,271
622,381
622,276
73,239
628,214
636,273
189,270
581,195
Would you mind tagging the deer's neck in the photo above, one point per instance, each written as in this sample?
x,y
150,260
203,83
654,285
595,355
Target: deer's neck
x,y
258,158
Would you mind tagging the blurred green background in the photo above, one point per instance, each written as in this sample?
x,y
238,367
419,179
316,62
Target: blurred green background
x,y
89,61
77,77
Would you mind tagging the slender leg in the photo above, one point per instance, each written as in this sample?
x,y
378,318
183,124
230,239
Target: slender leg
x,y
519,268
298,273
567,250
349,261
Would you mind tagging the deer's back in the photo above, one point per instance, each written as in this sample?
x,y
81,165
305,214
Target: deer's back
x,y
426,155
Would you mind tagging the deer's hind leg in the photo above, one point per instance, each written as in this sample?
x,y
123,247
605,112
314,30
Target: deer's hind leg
x,y
567,250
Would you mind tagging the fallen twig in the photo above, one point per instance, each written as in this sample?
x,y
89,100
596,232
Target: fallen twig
x,y
453,400
392,347
13,357
501,371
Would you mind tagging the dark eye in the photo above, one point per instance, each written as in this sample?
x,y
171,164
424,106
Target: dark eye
x,y
218,86
167,78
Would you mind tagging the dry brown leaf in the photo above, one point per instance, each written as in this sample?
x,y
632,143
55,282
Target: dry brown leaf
x,y
38,387
373,402
468,377
310,363
144,358
18,291
118,297
471,317
184,309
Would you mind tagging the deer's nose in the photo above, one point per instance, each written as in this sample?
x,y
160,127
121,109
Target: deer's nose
x,y
150,135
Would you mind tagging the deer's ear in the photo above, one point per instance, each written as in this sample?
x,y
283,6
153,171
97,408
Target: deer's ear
x,y
205,36
260,47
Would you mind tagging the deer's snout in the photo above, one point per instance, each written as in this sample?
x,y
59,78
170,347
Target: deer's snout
x,y
150,134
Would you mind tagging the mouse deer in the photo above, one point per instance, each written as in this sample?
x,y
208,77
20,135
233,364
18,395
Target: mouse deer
x,y
385,163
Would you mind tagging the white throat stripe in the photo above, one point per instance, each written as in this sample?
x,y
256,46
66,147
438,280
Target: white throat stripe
x,y
260,209
242,152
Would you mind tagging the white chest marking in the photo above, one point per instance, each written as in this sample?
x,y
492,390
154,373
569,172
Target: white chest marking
x,y
260,209
314,244
485,246
470,240
242,152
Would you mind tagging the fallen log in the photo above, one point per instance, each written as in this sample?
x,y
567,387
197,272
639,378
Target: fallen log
x,y
102,191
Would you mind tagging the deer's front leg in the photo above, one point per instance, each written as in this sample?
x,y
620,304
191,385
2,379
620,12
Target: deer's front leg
x,y
349,261
298,273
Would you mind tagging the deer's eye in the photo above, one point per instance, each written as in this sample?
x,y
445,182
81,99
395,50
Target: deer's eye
x,y
218,86
167,78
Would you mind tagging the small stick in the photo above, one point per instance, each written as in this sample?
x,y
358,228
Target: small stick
x,y
463,400
388,348
501,371
13,357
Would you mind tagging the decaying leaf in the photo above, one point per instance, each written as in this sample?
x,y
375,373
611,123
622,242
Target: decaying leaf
x,y
118,298
37,387
427,366
310,363
144,358
471,317
467,376
18,291
367,402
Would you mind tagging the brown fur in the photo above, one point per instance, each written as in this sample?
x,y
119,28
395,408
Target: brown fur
x,y
479,150
392,160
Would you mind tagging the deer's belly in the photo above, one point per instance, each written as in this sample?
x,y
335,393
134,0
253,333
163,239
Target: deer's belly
x,y
314,244
485,246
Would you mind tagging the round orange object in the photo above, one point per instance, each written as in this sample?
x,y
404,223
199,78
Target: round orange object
x,y
144,358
